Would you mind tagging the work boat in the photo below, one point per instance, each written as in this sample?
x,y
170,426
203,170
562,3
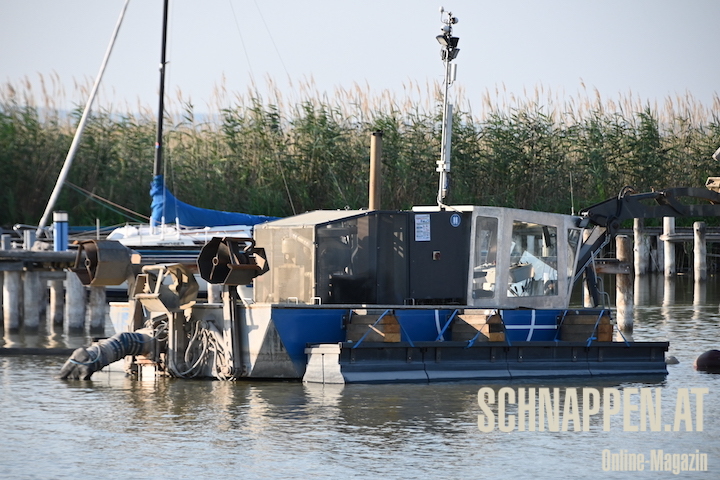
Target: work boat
x,y
460,293
430,294
433,293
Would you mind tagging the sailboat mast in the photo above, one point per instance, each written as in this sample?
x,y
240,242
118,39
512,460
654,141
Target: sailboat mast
x,y
448,53
65,171
158,165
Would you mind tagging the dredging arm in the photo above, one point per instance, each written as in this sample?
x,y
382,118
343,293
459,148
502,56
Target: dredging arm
x,y
606,217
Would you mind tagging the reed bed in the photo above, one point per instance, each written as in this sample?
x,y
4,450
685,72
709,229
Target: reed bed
x,y
286,153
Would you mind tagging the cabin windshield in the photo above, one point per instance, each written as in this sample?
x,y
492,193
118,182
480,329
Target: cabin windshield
x,y
533,260
521,258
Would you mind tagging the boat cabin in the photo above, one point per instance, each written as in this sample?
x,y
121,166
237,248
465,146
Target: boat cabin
x,y
486,257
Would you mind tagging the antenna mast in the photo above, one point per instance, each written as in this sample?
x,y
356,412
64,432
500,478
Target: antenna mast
x,y
448,52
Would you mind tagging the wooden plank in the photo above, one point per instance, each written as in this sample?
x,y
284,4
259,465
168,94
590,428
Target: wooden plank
x,y
391,328
603,337
584,329
613,267
688,237
496,337
585,320
387,330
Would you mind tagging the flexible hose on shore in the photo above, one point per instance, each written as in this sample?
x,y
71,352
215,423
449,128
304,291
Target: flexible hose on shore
x,y
85,361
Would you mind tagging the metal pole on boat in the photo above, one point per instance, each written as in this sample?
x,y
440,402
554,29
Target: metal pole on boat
x,y
158,166
375,170
448,53
81,126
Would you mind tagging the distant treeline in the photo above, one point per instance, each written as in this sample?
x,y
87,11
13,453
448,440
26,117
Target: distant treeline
x,y
278,158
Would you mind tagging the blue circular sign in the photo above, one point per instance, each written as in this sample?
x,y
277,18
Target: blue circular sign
x,y
455,220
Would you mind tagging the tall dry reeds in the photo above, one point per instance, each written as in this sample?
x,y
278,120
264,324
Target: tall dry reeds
x,y
304,150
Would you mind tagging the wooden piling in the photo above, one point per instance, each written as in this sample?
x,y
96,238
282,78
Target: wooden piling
x,y
699,252
669,229
641,247
12,295
624,285
32,299
74,302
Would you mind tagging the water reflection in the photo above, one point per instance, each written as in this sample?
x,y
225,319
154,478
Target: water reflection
x,y
193,428
166,428
51,335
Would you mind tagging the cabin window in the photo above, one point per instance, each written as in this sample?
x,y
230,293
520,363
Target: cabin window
x,y
484,270
533,260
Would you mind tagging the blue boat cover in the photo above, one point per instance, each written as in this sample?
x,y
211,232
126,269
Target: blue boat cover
x,y
164,204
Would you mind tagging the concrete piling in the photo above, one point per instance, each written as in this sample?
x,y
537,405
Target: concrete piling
x,y
97,307
641,247
12,291
669,247
57,301
75,303
31,295
669,292
659,263
699,252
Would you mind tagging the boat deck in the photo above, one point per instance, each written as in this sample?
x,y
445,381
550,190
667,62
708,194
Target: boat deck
x,y
374,362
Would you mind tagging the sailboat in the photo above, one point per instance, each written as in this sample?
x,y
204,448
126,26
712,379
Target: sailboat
x,y
192,225
189,225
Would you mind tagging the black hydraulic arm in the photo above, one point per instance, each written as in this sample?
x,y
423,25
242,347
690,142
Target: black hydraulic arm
x,y
607,216
664,203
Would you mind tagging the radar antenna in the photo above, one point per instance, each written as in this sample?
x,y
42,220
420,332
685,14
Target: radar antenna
x,y
448,53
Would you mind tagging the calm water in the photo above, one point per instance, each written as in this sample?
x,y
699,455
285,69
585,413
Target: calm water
x,y
114,427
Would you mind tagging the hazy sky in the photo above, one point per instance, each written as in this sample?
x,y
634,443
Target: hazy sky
x,y
653,49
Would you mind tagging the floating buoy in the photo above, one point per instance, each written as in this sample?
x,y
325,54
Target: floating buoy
x,y
670,360
708,362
